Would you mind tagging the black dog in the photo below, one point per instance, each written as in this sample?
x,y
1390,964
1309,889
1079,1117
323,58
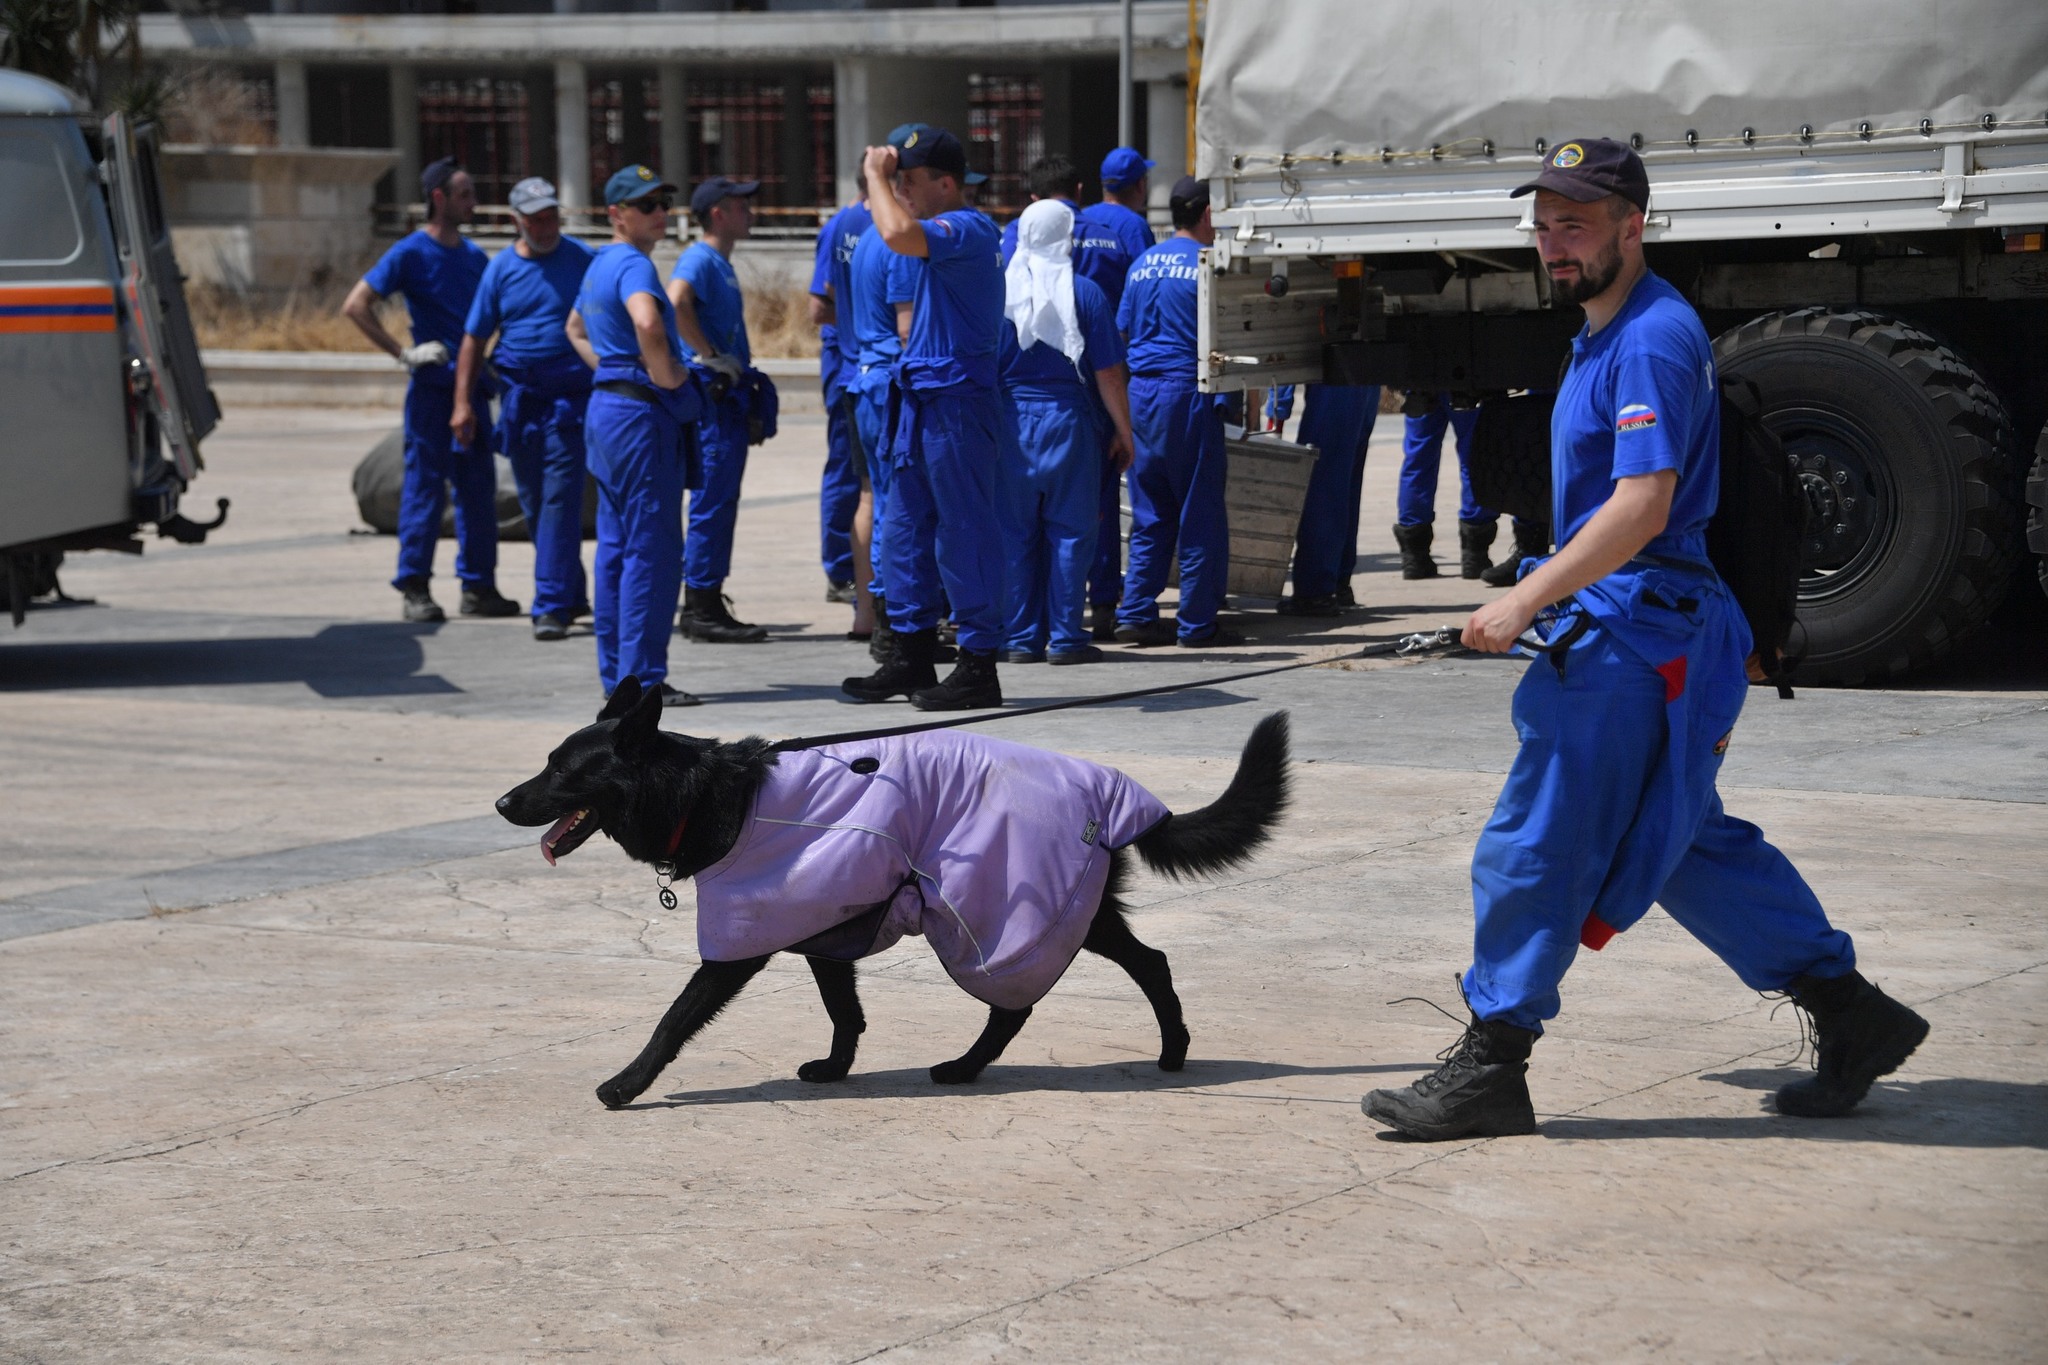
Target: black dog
x,y
680,801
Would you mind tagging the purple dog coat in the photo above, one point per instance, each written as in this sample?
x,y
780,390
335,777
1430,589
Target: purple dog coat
x,y
996,852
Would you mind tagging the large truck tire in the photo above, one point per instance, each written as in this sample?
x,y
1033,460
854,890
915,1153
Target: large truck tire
x,y
1906,458
2037,510
380,476
1509,463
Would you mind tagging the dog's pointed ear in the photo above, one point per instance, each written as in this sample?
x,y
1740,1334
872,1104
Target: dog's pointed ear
x,y
638,727
624,698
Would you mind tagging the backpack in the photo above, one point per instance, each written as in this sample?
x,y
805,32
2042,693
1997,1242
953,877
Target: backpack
x,y
1755,534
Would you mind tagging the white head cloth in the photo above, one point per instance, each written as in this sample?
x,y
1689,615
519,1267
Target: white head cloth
x,y
1039,294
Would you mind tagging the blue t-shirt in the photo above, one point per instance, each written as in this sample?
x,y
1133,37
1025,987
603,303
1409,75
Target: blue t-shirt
x,y
437,283
616,273
1107,238
720,313
1157,315
832,272
1044,371
878,280
1640,397
1009,248
527,301
957,313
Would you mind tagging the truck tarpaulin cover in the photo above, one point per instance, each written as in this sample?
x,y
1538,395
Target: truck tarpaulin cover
x,y
1309,77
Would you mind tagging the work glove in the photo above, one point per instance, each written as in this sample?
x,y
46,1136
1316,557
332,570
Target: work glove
x,y
426,353
726,366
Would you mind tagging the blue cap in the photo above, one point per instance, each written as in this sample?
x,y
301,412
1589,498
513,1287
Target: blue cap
x,y
900,134
707,195
634,182
937,150
1124,166
1586,169
436,176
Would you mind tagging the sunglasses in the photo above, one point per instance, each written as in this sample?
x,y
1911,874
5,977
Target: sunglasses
x,y
650,203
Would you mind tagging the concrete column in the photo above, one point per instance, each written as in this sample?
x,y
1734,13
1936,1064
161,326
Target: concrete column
x,y
294,117
850,123
1166,119
572,135
675,125
405,132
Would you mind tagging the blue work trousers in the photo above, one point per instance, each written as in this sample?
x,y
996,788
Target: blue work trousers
x,y
1337,419
1422,455
715,501
541,429
838,487
871,415
433,461
639,456
1176,505
1611,805
944,541
1051,493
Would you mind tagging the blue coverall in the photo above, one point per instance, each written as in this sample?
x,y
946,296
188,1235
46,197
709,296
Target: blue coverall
x,y
438,283
1107,238
877,280
721,425
641,449
838,367
1422,455
1337,419
1176,478
1610,803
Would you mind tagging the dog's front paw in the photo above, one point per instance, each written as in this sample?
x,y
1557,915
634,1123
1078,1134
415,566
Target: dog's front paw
x,y
1173,1050
621,1090
823,1071
959,1071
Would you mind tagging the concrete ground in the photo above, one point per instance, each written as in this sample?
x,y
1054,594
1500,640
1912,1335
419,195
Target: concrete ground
x,y
298,1040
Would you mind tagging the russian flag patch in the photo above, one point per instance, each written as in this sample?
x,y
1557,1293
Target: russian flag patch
x,y
1635,417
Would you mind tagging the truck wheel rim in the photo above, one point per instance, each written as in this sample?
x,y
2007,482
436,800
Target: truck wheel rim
x,y
1851,506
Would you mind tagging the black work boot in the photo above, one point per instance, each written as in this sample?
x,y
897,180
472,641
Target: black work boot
x,y
1532,538
420,606
971,686
908,668
1860,1033
486,600
1481,1090
1414,543
705,617
1102,620
880,644
1475,538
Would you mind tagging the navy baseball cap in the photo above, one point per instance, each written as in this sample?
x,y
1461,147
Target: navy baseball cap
x,y
900,134
935,149
634,182
1189,194
1590,168
437,175
707,194
1125,166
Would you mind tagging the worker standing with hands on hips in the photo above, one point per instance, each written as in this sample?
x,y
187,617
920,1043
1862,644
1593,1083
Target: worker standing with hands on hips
x,y
1611,803
543,390
941,505
710,316
437,270
1177,475
640,436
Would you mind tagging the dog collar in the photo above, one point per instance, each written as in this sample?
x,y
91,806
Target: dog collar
x,y
665,870
675,841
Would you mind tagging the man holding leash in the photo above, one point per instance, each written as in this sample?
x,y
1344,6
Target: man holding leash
x,y
436,270
640,436
543,390
1611,804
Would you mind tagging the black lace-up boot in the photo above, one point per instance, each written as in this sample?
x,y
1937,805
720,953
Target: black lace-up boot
x,y
1531,539
971,686
881,644
1475,538
1481,1090
1414,543
706,617
908,668
1860,1033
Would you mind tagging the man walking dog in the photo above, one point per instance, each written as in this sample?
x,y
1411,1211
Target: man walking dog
x,y
1610,803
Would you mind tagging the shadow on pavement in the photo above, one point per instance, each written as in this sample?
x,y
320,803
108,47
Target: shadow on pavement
x,y
1010,1080
356,660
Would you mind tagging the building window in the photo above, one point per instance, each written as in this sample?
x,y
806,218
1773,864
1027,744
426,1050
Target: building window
x,y
1005,134
824,145
485,125
625,125
735,130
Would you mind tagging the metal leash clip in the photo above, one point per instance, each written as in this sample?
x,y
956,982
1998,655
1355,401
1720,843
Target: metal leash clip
x,y
1422,641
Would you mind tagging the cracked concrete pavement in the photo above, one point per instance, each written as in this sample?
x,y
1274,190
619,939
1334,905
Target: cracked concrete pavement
x,y
299,1042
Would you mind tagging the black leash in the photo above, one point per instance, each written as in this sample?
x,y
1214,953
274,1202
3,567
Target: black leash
x,y
1422,642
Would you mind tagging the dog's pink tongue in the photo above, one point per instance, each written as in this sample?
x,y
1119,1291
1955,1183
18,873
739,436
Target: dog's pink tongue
x,y
556,831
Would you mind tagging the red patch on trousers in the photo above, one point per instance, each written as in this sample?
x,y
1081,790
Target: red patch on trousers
x,y
1595,932
1673,675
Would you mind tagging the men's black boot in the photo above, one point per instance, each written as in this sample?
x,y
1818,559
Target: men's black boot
x,y
1414,543
706,617
1860,1033
485,600
1532,538
880,644
908,668
971,686
1475,538
1102,620
1481,1090
420,606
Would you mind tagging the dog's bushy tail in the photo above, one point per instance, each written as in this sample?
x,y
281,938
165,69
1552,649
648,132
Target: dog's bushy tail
x,y
1225,833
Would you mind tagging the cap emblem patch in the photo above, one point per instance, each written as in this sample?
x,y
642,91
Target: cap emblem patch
x,y
645,174
910,141
1568,156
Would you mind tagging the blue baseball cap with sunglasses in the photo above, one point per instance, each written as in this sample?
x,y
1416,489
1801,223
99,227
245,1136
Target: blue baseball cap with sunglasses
x,y
636,182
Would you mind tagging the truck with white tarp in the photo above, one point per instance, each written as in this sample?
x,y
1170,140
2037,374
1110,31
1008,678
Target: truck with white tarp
x,y
1853,194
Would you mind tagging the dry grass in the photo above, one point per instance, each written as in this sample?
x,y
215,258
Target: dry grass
x,y
310,320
